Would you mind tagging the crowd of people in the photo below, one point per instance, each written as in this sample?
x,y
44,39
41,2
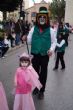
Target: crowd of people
x,y
13,35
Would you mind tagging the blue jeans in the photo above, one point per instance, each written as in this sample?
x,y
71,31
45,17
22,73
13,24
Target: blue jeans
x,y
17,39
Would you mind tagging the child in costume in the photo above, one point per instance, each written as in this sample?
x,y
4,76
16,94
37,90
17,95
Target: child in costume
x,y
3,101
60,50
26,79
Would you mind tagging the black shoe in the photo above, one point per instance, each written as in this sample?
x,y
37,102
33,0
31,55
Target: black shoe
x,y
55,68
63,68
35,91
41,95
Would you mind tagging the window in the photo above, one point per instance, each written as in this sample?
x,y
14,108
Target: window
x,y
33,14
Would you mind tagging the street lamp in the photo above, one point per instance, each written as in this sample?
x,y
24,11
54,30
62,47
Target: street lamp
x,y
22,12
21,1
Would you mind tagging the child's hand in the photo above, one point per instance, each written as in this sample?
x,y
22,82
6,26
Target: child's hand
x,y
40,85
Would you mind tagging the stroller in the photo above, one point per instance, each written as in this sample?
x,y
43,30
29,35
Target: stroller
x,y
0,50
3,49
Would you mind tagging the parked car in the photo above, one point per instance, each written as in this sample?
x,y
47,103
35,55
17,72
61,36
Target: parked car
x,y
1,25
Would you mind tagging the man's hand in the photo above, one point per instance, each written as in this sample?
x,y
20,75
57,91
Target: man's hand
x,y
49,53
24,38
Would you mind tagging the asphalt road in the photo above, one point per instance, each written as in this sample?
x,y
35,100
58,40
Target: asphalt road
x,y
59,86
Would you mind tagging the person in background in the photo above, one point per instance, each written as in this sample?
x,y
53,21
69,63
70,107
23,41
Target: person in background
x,y
26,79
67,32
60,51
43,42
60,29
13,38
6,40
3,47
25,30
18,31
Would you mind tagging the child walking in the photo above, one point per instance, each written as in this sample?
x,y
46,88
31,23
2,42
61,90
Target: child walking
x,y
3,101
26,80
60,51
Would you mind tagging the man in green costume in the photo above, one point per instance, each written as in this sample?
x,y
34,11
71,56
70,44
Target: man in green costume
x,y
43,42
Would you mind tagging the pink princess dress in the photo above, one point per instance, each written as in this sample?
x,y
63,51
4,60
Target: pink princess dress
x,y
3,101
26,80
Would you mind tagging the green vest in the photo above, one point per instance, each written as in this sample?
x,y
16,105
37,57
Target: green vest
x,y
41,41
61,49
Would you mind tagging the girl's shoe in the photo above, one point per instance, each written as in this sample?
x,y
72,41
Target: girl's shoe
x,y
41,95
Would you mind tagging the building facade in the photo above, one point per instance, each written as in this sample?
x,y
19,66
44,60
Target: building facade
x,y
16,14
26,3
69,11
31,12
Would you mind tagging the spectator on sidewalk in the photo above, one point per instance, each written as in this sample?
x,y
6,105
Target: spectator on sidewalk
x,y
13,38
3,48
6,40
18,31
67,32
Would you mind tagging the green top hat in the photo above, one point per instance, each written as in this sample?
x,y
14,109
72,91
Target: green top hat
x,y
43,10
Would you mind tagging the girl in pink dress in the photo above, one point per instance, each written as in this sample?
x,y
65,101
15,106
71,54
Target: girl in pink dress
x,y
26,80
3,101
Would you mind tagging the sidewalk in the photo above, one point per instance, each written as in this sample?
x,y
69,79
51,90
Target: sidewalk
x,y
14,48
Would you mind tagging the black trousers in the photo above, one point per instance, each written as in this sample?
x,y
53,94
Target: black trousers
x,y
4,50
40,64
60,57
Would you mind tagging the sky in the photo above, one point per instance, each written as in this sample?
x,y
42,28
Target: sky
x,y
37,1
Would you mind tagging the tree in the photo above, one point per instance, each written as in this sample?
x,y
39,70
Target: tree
x,y
9,5
57,9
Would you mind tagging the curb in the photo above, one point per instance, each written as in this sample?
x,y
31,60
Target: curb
x,y
14,48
